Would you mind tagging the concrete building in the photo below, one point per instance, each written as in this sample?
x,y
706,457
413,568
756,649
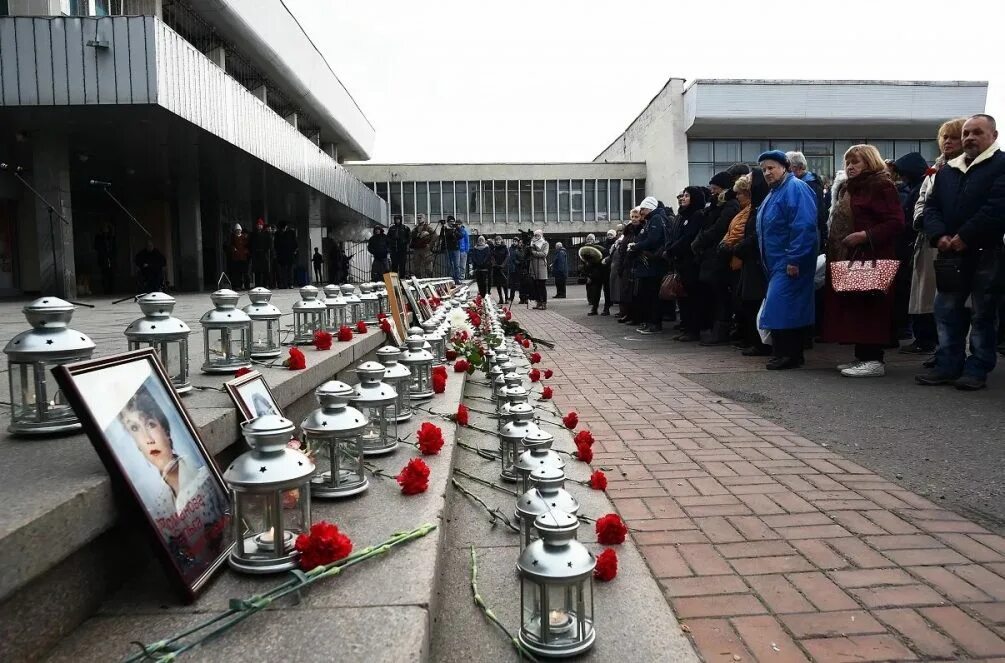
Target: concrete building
x,y
200,115
688,132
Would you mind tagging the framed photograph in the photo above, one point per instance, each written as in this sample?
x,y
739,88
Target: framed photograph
x,y
396,302
252,396
423,306
144,436
413,302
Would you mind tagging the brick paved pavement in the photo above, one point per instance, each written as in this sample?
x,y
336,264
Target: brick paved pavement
x,y
768,546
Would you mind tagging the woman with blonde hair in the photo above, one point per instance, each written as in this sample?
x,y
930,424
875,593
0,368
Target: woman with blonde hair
x,y
866,219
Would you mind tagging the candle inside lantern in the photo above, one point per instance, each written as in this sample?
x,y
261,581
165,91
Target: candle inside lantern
x,y
267,540
559,620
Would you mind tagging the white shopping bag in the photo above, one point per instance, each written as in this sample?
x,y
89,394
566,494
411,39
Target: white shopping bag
x,y
821,274
765,334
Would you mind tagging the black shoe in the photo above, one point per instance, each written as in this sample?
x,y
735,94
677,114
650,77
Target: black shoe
x,y
783,363
593,311
916,349
970,383
934,378
755,351
649,329
711,341
606,311
687,338
928,363
622,319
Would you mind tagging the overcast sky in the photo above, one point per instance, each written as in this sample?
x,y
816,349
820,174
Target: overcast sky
x,y
558,80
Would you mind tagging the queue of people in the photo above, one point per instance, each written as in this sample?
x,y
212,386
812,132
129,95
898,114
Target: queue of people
x,y
772,257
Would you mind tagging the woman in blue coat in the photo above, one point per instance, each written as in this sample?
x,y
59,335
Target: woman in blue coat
x,y
788,239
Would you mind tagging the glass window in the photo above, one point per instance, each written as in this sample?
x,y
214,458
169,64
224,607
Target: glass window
x,y
823,166
525,205
720,167
902,147
487,198
538,201
101,7
590,199
787,145
395,197
500,196
434,199
615,199
370,185
409,194
563,200
513,200
930,150
840,147
474,197
698,174
4,9
885,147
381,190
421,198
551,195
640,191
576,199
602,213
727,150
699,150
818,148
627,196
452,197
750,150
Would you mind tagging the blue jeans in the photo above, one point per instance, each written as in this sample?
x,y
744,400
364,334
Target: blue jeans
x,y
454,258
953,320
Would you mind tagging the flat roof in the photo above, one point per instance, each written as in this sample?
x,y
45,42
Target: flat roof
x,y
800,81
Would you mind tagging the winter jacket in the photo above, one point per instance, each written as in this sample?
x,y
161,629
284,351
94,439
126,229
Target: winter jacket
x,y
480,258
911,168
514,263
712,266
734,234
969,201
649,243
788,234
539,259
686,228
398,236
464,239
451,238
560,267
500,256
817,186
753,285
422,238
377,246
286,246
239,247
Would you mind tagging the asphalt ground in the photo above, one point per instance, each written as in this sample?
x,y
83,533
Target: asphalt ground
x,y
944,444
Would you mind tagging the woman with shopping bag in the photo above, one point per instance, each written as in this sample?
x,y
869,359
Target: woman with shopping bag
x,y
866,219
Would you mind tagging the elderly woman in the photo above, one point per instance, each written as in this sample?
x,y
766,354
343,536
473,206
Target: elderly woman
x,y
614,264
539,269
866,219
691,217
626,265
481,263
788,239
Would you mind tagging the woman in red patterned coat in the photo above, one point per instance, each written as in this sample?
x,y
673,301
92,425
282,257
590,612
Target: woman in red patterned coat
x,y
866,218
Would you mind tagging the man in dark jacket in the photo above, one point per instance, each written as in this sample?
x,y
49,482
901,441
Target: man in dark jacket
x,y
151,264
398,239
964,219
910,170
377,246
800,168
560,270
261,254
650,266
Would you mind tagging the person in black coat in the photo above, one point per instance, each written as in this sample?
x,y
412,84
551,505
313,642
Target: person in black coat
x,y
752,286
592,255
910,169
151,264
398,237
689,223
104,248
378,248
286,254
713,268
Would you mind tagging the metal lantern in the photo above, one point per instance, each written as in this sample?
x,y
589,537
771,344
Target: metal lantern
x,y
509,396
376,399
37,404
426,345
538,454
547,493
381,293
167,335
497,381
398,376
309,315
226,334
556,582
437,346
334,432
337,308
510,437
420,363
354,307
265,326
370,303
271,497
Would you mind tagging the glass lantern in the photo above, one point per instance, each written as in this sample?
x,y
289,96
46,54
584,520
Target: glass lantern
x,y
167,335
426,345
37,404
420,363
556,583
369,302
400,378
437,347
381,292
510,437
309,315
334,433
226,334
547,493
271,497
509,396
538,454
265,326
376,400
354,306
337,308
496,381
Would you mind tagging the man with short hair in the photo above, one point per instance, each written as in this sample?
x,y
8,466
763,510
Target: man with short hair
x,y
560,270
964,219
463,245
800,168
452,245
377,246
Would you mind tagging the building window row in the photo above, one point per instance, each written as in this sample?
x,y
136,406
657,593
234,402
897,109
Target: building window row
x,y
537,202
825,157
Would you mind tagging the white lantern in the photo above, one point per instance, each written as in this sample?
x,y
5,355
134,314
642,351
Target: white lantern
x,y
370,303
354,306
398,376
420,363
337,308
547,493
309,315
510,437
538,454
376,399
226,335
265,326
334,432
167,335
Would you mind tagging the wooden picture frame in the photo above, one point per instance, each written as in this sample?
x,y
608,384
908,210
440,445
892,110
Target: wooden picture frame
x,y
150,447
396,302
413,303
423,306
252,396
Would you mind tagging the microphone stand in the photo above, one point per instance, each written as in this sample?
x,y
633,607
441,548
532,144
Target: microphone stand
x,y
56,270
106,187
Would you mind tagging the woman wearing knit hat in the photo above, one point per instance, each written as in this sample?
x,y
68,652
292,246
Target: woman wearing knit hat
x,y
787,234
713,268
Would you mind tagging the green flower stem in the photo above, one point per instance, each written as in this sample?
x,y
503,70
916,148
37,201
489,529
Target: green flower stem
x,y
490,484
495,514
480,602
487,455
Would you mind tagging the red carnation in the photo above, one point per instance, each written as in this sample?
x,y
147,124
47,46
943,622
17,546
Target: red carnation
x,y
344,334
535,358
325,544
382,316
548,373
525,342
360,327
611,529
296,361
585,454
385,326
461,366
244,370
439,383
518,338
450,355
534,375
440,370
430,439
508,315
931,170
598,480
476,320
547,393
322,340
462,415
414,477
607,566
571,420
584,438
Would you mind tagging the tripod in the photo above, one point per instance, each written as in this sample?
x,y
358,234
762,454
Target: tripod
x,y
57,272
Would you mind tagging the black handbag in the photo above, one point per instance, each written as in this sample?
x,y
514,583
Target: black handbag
x,y
949,276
